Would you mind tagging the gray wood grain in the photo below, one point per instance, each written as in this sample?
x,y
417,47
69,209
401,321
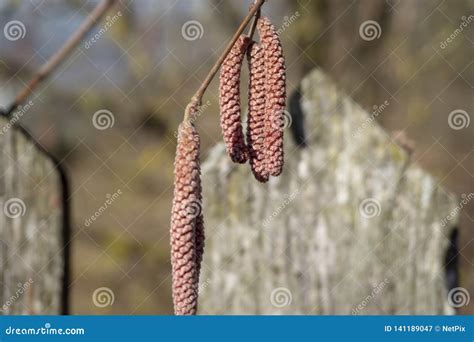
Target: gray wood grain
x,y
353,226
31,245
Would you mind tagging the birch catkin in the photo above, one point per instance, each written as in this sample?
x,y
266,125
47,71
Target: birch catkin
x,y
275,89
256,115
187,229
229,98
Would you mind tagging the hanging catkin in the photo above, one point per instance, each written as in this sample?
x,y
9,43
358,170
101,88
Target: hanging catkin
x,y
275,89
187,229
229,98
256,115
200,238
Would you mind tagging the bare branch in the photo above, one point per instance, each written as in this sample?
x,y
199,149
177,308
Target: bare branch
x,y
197,98
61,55
253,25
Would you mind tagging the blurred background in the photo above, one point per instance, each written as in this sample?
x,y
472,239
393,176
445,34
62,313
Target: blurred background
x,y
138,69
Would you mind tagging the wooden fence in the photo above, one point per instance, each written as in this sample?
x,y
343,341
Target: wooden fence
x,y
33,227
353,226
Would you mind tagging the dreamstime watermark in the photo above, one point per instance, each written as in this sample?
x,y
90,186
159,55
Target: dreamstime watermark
x,y
369,208
464,23
192,30
283,121
376,111
194,208
14,208
14,30
454,213
22,110
281,297
375,291
47,329
287,21
103,119
458,297
110,199
196,114
458,119
103,297
109,22
203,285
288,199
370,30
22,287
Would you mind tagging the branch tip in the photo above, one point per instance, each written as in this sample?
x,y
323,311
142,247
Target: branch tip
x,y
55,60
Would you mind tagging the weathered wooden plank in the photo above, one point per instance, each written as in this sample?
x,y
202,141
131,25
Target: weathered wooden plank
x,y
351,227
31,228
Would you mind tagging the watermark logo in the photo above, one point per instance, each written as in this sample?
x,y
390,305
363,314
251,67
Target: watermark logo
x,y
22,287
376,111
370,208
281,297
192,30
458,119
287,21
103,297
465,21
14,208
458,297
204,285
47,329
375,292
195,115
109,22
110,199
103,119
17,115
370,30
466,198
194,208
277,211
14,30
284,120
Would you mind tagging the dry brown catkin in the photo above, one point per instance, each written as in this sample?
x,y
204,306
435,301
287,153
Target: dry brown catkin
x,y
229,99
256,115
187,229
275,89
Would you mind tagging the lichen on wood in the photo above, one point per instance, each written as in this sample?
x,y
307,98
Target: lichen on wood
x,y
31,228
352,226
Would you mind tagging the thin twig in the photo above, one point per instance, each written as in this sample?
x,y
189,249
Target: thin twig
x,y
253,25
60,55
197,98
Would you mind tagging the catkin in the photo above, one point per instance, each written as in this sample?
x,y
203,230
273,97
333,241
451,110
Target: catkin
x,y
256,115
275,89
187,229
229,99
200,237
